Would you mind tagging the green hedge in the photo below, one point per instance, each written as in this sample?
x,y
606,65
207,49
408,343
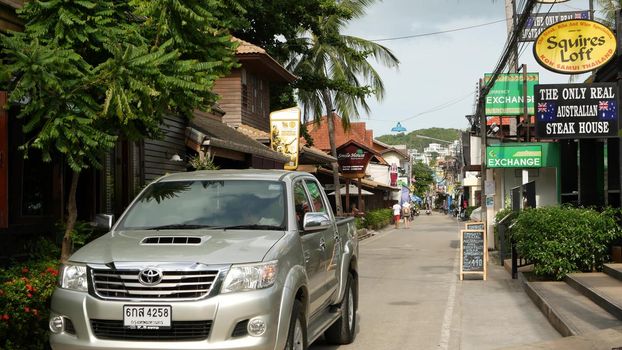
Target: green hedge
x,y
377,219
560,240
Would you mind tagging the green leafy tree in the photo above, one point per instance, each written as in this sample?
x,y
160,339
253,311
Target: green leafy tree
x,y
424,177
335,72
86,73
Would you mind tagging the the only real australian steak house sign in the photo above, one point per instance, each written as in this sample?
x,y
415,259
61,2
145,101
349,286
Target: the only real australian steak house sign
x,y
574,111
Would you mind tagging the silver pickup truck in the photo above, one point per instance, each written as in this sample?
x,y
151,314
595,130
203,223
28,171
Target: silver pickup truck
x,y
227,259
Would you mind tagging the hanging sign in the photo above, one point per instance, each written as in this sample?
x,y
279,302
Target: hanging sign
x,y
575,111
506,95
285,133
536,23
574,46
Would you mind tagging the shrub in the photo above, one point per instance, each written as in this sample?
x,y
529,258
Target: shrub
x,y
377,219
25,291
560,240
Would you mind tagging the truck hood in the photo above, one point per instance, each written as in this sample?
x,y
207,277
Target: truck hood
x,y
202,246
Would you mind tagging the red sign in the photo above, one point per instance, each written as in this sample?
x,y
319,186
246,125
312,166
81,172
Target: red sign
x,y
353,159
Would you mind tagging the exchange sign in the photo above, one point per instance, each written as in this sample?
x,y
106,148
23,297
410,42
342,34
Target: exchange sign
x,y
575,111
506,95
513,157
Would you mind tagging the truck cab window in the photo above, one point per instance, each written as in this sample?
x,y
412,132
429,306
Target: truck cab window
x,y
316,196
301,203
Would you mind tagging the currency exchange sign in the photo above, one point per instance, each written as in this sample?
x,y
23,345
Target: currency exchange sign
x,y
506,95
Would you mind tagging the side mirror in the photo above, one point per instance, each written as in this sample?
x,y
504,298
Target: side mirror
x,y
104,221
316,221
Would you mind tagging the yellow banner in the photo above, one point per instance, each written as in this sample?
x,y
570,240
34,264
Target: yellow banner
x,y
285,133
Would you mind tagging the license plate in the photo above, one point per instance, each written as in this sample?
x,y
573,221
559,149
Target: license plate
x,y
147,316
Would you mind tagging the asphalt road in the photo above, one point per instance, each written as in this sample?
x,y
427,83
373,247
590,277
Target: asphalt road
x,y
411,296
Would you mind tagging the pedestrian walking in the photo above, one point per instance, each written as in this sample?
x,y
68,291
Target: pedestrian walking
x,y
397,210
406,213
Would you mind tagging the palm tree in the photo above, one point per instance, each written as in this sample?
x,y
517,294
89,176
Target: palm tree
x,y
335,74
609,8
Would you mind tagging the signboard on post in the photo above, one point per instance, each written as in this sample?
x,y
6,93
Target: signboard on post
x,y
473,252
537,22
285,133
575,111
353,158
506,95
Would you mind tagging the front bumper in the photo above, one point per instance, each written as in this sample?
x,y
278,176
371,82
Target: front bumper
x,y
225,311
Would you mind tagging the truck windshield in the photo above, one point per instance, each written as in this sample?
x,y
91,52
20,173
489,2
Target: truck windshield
x,y
222,204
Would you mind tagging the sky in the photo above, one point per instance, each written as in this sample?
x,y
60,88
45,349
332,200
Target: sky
x,y
435,83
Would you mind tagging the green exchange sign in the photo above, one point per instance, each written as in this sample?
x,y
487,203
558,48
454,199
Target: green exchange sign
x,y
514,156
506,95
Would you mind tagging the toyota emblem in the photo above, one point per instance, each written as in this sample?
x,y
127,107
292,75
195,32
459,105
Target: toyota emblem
x,y
150,276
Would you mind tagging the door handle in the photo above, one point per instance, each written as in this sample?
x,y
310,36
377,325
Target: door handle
x,y
322,244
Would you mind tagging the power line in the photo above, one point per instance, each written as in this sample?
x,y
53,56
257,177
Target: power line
x,y
441,32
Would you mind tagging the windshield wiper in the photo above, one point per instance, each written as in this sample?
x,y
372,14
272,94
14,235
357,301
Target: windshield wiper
x,y
178,226
252,227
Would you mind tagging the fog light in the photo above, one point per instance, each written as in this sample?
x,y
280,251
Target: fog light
x,y
57,324
256,327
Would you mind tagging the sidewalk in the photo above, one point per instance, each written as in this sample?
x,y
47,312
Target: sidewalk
x,y
497,313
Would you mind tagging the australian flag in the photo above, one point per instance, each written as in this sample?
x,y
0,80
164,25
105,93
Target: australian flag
x,y
607,110
582,15
546,111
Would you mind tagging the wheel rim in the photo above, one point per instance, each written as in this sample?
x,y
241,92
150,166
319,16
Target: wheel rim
x,y
298,337
350,309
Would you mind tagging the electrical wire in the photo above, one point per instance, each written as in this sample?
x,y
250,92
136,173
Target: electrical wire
x,y
440,32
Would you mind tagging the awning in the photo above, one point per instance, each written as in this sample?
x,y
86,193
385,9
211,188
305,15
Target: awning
x,y
354,191
209,132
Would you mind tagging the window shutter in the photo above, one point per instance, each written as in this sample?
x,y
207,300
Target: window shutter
x,y
4,162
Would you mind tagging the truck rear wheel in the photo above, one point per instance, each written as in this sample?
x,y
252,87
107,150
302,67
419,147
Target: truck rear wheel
x,y
297,334
343,330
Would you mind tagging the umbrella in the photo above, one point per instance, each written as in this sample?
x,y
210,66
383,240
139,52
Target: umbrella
x,y
354,191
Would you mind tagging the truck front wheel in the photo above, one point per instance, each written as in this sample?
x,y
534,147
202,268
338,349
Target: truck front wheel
x,y
297,334
343,330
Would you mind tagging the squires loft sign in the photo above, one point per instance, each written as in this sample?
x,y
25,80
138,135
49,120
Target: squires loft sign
x,y
576,111
574,46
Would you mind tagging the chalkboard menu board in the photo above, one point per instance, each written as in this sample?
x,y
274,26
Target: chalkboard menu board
x,y
473,252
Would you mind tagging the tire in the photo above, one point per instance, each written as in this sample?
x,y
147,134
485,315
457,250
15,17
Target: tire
x,y
343,330
297,334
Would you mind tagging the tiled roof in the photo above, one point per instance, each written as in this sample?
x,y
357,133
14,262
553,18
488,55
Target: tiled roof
x,y
245,47
357,132
253,133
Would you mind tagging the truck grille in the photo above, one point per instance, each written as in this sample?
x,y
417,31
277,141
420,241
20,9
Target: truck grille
x,y
180,330
178,284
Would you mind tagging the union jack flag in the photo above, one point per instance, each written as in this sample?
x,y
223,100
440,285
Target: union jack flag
x,y
603,105
542,107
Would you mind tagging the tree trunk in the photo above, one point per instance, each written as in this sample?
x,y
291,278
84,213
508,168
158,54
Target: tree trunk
x,y
72,215
330,119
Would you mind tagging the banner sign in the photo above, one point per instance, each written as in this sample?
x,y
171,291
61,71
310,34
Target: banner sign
x,y
536,23
513,157
574,46
575,111
506,95
353,159
285,133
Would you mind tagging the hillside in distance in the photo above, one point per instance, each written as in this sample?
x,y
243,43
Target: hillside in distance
x,y
413,142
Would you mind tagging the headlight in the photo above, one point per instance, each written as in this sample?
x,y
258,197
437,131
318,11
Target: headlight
x,y
250,277
73,277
